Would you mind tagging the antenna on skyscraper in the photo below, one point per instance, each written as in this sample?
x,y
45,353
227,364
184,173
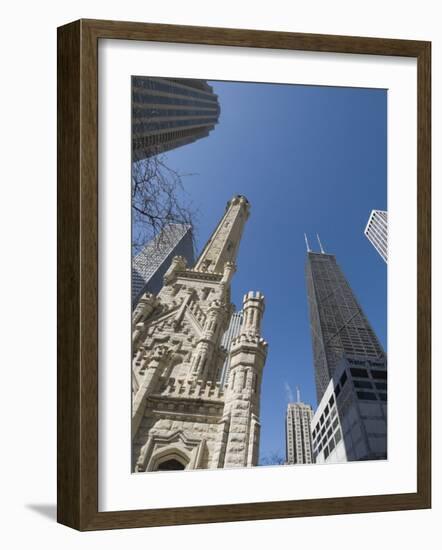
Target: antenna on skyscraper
x,y
298,395
320,244
306,243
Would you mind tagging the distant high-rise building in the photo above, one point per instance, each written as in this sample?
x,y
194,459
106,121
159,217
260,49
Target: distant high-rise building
x,y
168,113
231,333
338,324
298,434
150,265
376,232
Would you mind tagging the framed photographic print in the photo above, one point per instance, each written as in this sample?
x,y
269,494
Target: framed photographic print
x,y
243,256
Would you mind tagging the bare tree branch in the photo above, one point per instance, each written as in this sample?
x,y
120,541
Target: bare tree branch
x,y
158,199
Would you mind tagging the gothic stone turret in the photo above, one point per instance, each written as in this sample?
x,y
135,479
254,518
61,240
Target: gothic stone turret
x,y
248,355
182,416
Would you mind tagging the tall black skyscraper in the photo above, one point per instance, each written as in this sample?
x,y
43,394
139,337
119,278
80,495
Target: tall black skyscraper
x,y
338,325
168,113
152,262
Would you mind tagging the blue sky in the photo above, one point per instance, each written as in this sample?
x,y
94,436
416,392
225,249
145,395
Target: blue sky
x,y
309,159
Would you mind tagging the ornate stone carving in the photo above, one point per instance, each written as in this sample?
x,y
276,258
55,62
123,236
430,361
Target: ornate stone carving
x,y
181,413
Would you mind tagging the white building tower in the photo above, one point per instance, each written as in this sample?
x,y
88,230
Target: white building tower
x,y
376,232
298,433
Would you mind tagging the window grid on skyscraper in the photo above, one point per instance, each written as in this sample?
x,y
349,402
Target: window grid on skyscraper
x,y
298,434
338,324
151,263
169,113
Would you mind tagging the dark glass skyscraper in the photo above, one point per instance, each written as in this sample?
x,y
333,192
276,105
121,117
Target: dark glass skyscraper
x,y
152,262
168,113
338,325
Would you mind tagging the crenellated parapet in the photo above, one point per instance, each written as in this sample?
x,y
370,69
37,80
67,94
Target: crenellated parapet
x,y
194,389
248,341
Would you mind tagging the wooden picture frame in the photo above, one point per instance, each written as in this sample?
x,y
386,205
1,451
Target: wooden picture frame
x,y
77,225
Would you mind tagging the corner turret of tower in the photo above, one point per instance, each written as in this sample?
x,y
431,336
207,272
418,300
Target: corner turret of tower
x,y
253,308
255,297
179,263
229,270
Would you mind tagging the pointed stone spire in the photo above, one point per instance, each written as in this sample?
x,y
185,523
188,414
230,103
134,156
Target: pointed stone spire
x,y
298,395
222,247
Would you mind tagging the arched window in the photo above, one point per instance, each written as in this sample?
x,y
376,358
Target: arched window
x,y
170,464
